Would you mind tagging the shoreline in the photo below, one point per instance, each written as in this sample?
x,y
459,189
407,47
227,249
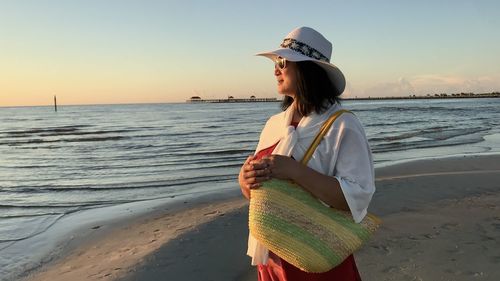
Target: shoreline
x,y
124,243
78,229
193,236
129,243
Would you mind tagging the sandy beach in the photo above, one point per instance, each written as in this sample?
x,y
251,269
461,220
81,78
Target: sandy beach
x,y
441,221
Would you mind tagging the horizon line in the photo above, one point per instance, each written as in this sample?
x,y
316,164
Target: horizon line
x,y
494,94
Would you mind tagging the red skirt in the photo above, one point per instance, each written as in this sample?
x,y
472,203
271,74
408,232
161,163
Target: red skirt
x,y
278,269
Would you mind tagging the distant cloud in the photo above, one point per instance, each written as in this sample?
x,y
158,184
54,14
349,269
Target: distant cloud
x,y
433,84
429,84
402,87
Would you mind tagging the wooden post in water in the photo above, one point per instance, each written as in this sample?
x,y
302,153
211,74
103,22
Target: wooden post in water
x,y
55,103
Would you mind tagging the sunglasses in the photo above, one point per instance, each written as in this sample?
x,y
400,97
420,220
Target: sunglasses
x,y
280,63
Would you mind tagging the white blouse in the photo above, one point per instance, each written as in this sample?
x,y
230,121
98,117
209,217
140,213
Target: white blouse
x,y
343,153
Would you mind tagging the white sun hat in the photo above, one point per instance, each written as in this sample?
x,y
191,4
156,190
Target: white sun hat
x,y
306,44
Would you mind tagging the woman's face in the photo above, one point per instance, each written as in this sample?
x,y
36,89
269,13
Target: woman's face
x,y
286,76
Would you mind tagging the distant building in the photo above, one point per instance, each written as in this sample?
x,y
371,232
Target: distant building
x,y
195,99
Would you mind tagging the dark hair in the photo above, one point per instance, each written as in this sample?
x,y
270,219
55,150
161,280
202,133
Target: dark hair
x,y
315,91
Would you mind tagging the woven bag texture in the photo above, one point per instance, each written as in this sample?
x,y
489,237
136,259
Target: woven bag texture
x,y
297,227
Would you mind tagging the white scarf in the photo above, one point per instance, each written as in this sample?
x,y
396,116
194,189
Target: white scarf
x,y
292,142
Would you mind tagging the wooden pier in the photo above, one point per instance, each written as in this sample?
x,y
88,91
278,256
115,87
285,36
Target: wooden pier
x,y
231,100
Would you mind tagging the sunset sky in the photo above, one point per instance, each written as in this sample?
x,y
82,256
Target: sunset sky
x,y
122,51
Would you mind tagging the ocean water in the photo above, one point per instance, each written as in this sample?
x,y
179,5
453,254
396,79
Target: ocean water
x,y
53,164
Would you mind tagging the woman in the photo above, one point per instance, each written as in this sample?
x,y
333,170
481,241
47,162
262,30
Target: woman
x,y
340,172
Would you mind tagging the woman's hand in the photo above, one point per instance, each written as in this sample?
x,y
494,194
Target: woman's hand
x,y
282,167
252,174
323,187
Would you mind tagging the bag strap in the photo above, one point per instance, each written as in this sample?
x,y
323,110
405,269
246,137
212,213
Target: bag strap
x,y
326,126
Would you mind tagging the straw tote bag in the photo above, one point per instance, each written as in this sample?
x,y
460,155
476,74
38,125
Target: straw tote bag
x,y
297,227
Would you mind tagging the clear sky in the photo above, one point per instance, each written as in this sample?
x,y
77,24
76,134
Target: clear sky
x,y
123,51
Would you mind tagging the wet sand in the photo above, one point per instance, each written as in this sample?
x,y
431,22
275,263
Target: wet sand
x,y
441,221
